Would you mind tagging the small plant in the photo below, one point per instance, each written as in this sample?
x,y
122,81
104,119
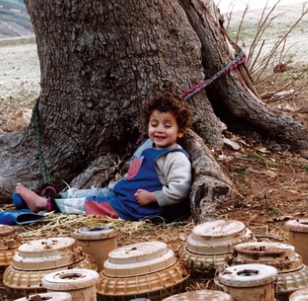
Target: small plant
x,y
242,172
273,212
264,159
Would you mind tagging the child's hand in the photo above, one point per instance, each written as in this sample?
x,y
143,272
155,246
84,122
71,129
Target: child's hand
x,y
144,197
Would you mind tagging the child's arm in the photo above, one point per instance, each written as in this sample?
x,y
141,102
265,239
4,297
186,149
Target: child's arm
x,y
145,197
175,173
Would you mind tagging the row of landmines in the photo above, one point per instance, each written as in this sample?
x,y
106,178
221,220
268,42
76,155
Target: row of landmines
x,y
90,266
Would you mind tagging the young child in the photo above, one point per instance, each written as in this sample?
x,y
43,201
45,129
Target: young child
x,y
159,175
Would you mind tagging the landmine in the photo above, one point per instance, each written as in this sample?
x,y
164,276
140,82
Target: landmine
x,y
292,273
300,295
142,270
9,243
80,283
298,237
47,296
210,243
202,295
35,259
253,282
97,242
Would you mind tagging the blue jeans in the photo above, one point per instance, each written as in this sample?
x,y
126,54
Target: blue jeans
x,y
73,200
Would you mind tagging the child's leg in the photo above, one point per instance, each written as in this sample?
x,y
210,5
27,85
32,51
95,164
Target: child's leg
x,y
34,201
76,200
100,205
83,193
72,201
100,209
71,205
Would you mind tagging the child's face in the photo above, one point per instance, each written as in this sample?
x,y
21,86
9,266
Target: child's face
x,y
163,129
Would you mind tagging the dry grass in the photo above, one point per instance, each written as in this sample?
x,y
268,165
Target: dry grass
x,y
53,225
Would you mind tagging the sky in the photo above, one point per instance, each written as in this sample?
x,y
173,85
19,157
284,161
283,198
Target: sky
x,y
239,5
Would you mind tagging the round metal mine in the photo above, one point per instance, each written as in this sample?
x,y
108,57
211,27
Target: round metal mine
x,y
208,295
279,255
292,273
9,238
80,283
298,237
48,297
9,242
142,270
47,253
35,259
97,242
247,275
209,244
245,281
300,295
139,259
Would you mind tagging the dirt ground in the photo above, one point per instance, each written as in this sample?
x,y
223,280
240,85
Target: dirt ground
x,y
272,180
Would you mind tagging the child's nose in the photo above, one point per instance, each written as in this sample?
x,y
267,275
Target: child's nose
x,y
160,128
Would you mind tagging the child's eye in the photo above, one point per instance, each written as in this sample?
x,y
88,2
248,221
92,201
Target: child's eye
x,y
168,125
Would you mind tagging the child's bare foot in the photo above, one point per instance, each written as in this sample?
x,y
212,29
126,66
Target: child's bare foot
x,y
34,202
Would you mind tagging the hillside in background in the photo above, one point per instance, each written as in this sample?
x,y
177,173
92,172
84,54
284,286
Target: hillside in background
x,y
14,19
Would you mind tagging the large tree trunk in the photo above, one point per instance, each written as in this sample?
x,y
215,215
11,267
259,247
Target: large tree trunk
x,y
101,61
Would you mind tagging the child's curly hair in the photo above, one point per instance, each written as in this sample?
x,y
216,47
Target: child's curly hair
x,y
170,102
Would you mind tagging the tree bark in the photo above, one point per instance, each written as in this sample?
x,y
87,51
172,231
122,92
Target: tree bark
x,y
101,61
211,187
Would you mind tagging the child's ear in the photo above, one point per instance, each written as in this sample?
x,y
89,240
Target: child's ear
x,y
181,133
